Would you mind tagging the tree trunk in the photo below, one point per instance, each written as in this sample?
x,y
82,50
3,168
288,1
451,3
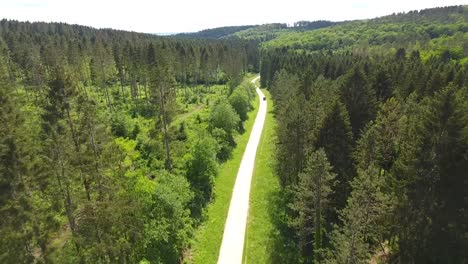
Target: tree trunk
x,y
163,116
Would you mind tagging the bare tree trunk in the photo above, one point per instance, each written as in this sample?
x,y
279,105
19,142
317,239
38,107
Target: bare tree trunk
x,y
103,84
106,91
77,149
133,88
145,89
96,159
163,116
123,92
67,198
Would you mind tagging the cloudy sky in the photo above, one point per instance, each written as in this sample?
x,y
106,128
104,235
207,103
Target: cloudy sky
x,y
157,16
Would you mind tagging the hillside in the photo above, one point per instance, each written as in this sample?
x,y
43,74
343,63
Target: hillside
x,y
372,141
446,26
258,33
123,147
214,33
110,141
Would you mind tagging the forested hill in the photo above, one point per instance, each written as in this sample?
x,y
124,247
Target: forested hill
x,y
372,139
26,45
110,140
214,33
397,30
258,32
440,32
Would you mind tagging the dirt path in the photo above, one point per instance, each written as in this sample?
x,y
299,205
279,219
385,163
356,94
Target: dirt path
x,y
234,230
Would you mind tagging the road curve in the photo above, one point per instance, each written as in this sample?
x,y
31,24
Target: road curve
x,y
232,245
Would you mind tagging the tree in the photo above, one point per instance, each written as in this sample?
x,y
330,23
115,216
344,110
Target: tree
x,y
201,170
433,168
354,241
311,204
224,116
240,101
359,99
379,141
169,230
162,90
292,131
382,85
335,137
15,229
103,68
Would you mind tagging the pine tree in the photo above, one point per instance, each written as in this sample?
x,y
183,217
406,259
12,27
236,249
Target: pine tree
x,y
15,227
433,168
162,91
355,240
292,133
359,99
335,137
311,204
380,138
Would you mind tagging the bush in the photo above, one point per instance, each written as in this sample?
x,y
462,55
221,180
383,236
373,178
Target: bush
x,y
240,101
223,116
225,144
121,125
201,170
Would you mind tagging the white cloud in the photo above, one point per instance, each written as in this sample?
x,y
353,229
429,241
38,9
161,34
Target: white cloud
x,y
186,15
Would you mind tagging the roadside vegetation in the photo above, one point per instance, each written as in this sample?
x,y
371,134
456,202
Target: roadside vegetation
x,y
208,237
262,234
372,139
111,141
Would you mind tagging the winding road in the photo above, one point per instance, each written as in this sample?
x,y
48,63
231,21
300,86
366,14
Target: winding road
x,y
232,245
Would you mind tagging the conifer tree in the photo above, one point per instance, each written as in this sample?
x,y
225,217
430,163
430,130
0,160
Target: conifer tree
x,y
433,168
335,137
359,99
355,240
162,90
311,204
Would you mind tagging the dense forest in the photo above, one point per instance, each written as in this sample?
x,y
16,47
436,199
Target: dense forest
x,y
372,150
110,140
214,33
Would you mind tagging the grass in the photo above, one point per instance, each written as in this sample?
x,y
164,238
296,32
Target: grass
x,y
261,230
208,236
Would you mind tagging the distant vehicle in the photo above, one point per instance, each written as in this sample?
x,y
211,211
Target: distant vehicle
x,y
264,98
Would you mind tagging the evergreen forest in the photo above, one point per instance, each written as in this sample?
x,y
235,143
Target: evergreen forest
x,y
112,142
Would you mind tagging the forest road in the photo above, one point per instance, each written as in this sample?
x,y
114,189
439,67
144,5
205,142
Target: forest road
x,y
232,245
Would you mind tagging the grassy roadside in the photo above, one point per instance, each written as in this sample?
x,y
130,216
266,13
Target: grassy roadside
x,y
208,237
265,188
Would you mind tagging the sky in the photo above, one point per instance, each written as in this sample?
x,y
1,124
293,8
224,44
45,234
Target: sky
x,y
161,16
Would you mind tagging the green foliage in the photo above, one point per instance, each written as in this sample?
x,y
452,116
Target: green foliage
x,y
88,131
292,131
380,33
169,228
214,33
359,99
16,227
367,207
311,203
335,138
223,142
208,236
122,125
241,99
383,98
223,116
263,236
432,168
201,169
